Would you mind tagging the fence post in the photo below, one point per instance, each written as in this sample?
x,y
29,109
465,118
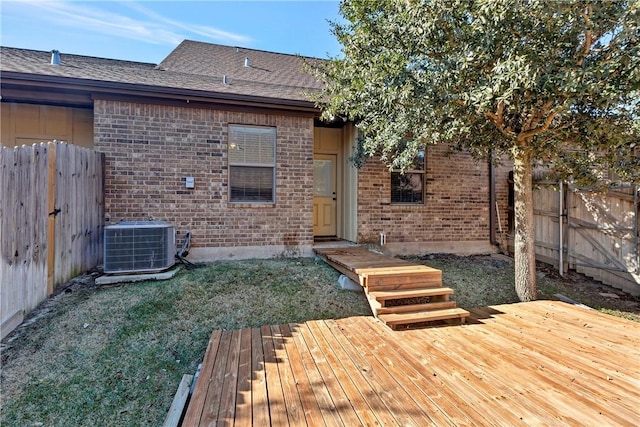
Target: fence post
x,y
568,201
636,204
560,226
51,229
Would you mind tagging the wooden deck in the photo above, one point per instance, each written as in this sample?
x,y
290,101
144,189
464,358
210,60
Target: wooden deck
x,y
538,363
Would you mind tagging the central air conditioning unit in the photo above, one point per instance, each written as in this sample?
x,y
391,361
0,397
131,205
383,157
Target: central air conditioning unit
x,y
139,246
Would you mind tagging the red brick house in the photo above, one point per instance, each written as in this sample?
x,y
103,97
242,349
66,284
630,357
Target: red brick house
x,y
269,177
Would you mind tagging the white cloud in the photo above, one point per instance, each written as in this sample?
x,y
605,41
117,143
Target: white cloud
x,y
152,28
202,30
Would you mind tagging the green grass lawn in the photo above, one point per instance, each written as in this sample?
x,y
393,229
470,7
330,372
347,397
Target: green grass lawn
x,y
484,280
114,355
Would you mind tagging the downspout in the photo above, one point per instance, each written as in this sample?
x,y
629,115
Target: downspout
x,y
492,201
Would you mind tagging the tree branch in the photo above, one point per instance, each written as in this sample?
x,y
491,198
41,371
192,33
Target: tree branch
x,y
588,37
535,116
528,134
497,119
532,117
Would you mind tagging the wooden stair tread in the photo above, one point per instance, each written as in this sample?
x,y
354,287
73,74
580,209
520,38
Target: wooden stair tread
x,y
395,270
401,285
394,319
410,293
413,308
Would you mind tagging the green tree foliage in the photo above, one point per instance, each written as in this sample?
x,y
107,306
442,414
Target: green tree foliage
x,y
548,83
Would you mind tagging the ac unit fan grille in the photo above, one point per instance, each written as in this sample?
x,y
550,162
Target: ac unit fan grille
x,y
139,247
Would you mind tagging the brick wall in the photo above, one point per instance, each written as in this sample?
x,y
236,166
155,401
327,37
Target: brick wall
x,y
150,149
456,205
502,194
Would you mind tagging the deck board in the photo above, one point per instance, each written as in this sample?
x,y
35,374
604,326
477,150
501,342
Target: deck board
x,y
310,404
419,370
258,383
360,384
409,381
557,366
277,409
196,405
384,380
214,390
292,403
350,391
243,406
340,404
363,262
538,363
318,387
228,402
457,374
561,357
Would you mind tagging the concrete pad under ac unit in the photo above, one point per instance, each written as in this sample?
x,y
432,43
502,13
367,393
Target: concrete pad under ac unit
x,y
111,279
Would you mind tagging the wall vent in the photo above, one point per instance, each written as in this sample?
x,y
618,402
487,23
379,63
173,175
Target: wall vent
x,y
139,246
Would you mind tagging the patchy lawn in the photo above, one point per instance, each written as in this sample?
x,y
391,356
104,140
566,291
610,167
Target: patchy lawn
x,y
115,355
484,280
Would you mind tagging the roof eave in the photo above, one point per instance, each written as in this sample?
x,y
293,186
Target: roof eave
x,y
101,87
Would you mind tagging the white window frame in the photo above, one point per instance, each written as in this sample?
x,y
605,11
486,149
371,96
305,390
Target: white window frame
x,y
234,144
422,172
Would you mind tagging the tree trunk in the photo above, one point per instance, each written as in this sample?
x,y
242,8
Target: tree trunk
x,y
524,253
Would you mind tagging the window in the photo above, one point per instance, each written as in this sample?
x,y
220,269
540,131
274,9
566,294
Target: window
x,y
408,187
252,164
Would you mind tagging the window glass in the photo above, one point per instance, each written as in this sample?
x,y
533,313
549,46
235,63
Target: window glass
x,y
408,187
251,184
252,154
322,172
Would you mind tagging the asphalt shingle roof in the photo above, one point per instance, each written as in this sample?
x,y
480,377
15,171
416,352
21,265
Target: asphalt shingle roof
x,y
192,65
206,59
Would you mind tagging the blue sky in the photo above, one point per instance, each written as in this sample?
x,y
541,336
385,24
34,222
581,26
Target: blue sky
x,y
148,30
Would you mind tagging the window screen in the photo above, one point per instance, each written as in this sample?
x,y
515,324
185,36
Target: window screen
x,y
408,187
252,164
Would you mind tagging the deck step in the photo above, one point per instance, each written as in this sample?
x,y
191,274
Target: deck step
x,y
401,294
390,270
394,320
413,308
410,293
399,286
403,280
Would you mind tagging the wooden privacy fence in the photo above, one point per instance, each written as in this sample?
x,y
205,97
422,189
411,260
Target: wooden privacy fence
x,y
51,222
599,232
